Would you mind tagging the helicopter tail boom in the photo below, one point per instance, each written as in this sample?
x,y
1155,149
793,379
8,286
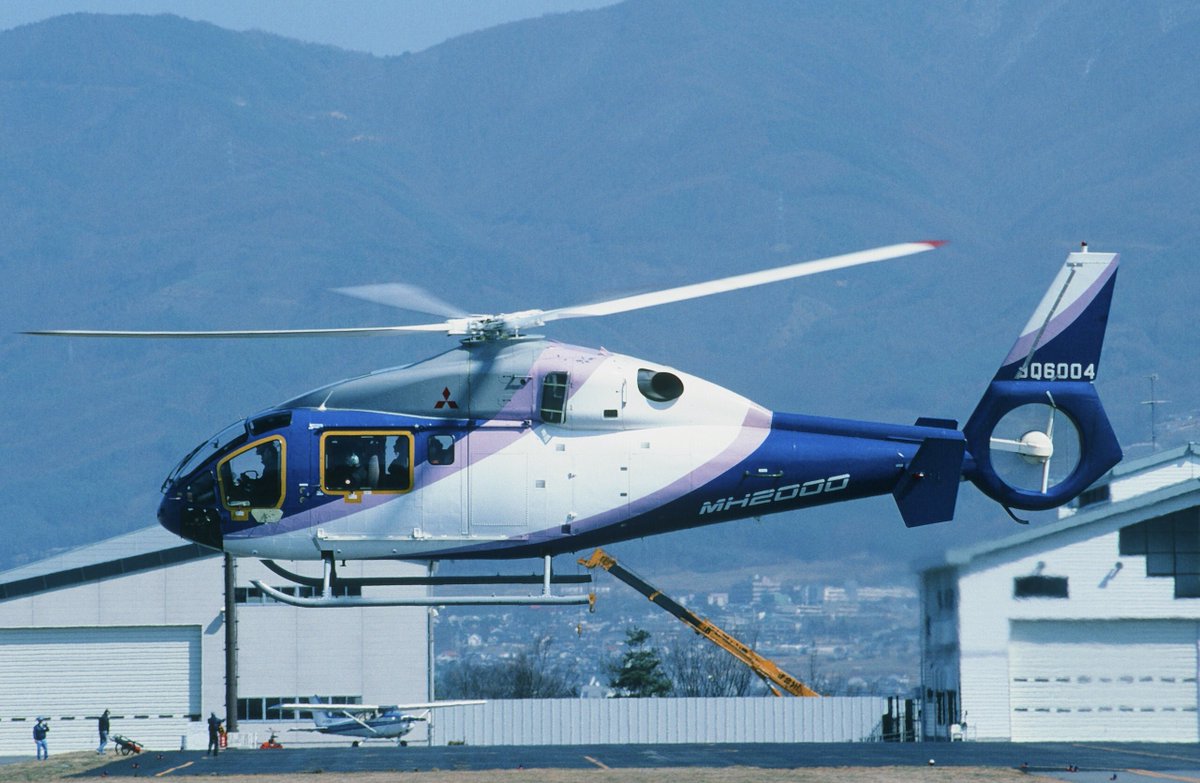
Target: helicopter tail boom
x,y
1040,436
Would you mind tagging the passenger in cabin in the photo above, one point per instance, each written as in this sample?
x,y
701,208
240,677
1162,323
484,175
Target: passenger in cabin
x,y
439,452
397,472
350,475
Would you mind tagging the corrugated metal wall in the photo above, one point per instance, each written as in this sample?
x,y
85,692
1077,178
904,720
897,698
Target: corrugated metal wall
x,y
611,721
149,677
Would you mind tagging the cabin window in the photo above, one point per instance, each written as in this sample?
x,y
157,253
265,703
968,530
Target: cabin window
x,y
253,477
554,397
376,461
440,450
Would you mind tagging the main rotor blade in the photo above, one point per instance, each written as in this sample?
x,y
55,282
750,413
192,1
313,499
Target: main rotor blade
x,y
403,296
695,290
252,333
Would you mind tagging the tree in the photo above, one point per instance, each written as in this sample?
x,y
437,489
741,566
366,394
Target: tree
x,y
638,673
535,676
531,674
699,668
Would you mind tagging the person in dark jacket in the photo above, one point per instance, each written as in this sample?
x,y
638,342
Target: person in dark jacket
x,y
214,734
40,729
103,724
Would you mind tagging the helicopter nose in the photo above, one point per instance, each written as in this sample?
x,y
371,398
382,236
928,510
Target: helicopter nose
x,y
168,516
188,519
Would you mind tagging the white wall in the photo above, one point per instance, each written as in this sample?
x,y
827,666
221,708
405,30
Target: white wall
x,y
691,720
379,652
1087,556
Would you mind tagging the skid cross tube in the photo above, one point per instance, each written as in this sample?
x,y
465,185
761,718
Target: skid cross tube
x,y
330,582
336,581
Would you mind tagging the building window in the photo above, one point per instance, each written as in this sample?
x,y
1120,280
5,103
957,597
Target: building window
x,y
1090,497
252,595
267,707
1171,546
1040,587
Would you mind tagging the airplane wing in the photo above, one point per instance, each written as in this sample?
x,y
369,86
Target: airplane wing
x,y
345,709
358,709
432,705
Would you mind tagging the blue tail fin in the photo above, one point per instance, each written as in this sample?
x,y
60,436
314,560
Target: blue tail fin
x,y
1040,436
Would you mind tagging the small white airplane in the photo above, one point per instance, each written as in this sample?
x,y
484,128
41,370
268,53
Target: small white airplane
x,y
368,721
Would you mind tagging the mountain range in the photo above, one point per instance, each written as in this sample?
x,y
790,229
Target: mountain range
x,y
161,173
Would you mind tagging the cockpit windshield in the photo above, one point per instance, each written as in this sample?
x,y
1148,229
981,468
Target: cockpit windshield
x,y
232,434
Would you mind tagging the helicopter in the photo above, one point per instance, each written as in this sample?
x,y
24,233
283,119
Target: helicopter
x,y
511,445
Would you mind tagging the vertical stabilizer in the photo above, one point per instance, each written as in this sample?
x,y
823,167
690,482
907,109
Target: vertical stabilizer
x,y
1063,338
321,718
1040,436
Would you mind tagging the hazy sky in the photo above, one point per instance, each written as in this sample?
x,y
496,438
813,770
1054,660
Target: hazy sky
x,y
381,27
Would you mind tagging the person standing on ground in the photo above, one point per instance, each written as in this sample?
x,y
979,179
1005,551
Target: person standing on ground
x,y
214,734
40,729
103,724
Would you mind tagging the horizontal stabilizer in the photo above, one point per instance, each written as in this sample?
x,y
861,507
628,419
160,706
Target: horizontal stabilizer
x,y
941,424
928,489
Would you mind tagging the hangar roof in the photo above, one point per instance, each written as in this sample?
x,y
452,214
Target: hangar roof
x,y
1135,505
142,550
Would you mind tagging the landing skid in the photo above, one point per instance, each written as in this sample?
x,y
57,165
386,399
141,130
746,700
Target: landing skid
x,y
331,583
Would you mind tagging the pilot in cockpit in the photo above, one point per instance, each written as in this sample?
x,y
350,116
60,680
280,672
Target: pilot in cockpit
x,y
264,490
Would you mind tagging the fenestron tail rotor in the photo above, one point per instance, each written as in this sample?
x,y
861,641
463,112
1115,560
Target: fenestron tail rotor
x,y
1035,447
512,325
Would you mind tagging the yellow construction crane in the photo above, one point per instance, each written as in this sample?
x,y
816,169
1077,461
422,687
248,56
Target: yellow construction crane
x,y
771,674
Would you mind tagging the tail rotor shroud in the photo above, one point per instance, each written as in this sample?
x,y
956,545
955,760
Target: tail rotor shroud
x,y
1040,436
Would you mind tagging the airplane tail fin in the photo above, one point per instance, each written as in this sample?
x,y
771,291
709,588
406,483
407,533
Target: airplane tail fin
x,y
321,718
1040,436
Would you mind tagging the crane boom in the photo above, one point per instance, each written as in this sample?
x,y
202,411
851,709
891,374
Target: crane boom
x,y
763,667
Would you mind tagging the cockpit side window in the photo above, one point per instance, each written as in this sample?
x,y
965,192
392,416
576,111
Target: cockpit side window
x,y
379,461
554,397
253,477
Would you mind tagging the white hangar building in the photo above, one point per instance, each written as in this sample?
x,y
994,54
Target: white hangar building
x,y
1086,628
136,625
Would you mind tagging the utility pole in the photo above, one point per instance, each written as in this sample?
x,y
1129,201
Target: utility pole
x,y
231,674
430,614
1153,402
